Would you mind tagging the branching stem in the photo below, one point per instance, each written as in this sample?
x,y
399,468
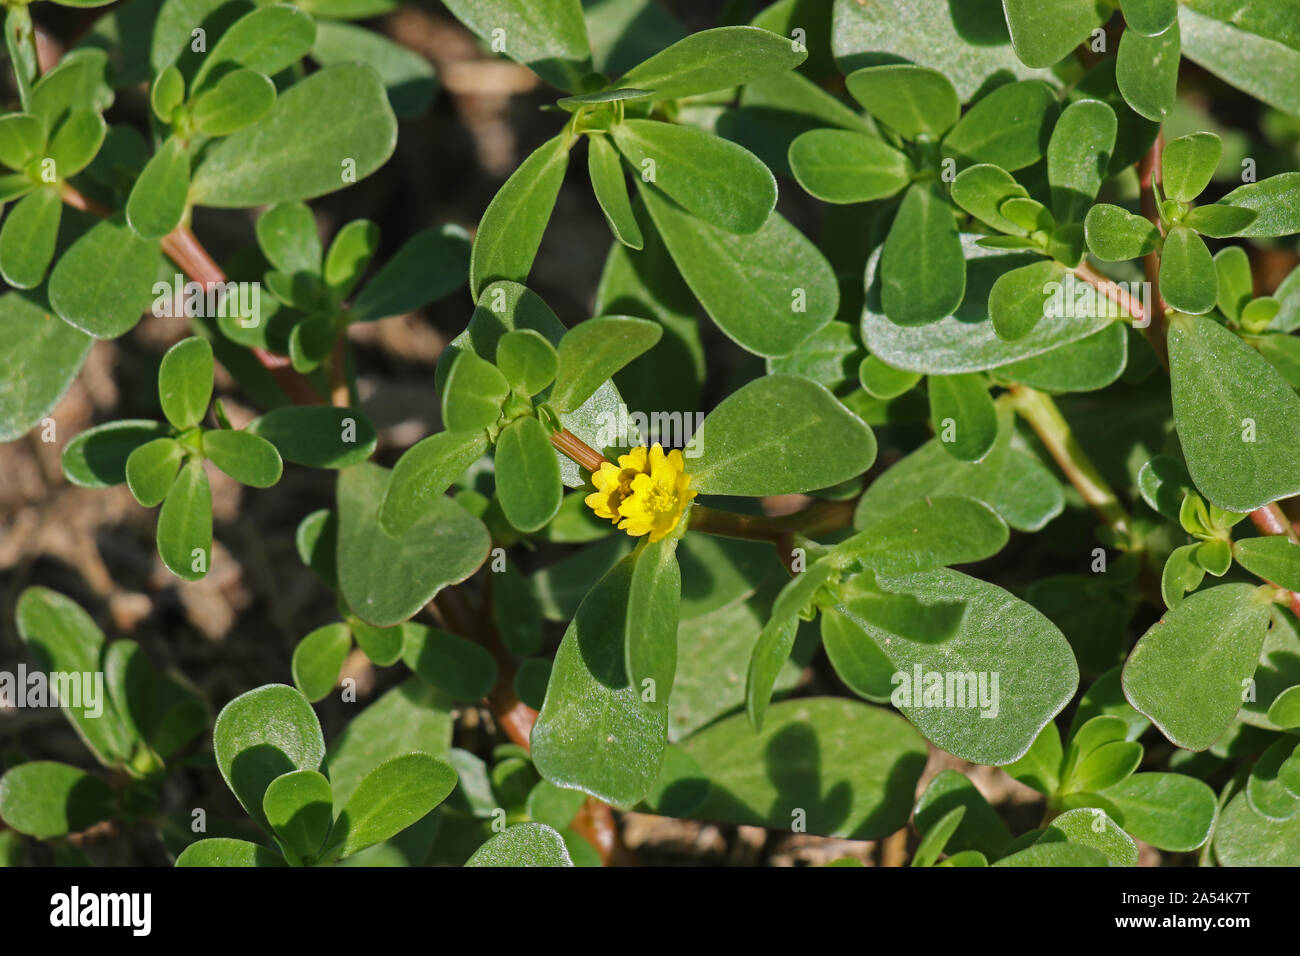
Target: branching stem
x,y
1038,409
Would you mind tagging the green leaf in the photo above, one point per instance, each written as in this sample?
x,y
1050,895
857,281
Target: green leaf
x,y
840,767
1187,165
1227,396
654,599
932,532
963,415
333,128
511,228
1218,220
318,659
97,457
982,189
411,716
267,40
1045,31
408,76
811,441
1040,767
609,183
431,264
936,838
1078,157
1236,286
185,524
1146,69
958,653
472,394
547,35
1014,484
1019,298
911,100
383,645
76,83
527,474
523,844
238,99
1188,670
592,351
922,269
716,59
157,201
1275,559
76,141
1168,810
883,381
1181,574
596,731
933,33
776,640
768,292
714,179
248,458
1274,199
1083,366
224,851
1187,279
981,830
527,360
1164,483
104,282
1285,709
846,166
1009,127
1106,766
288,238
29,236
1266,787
350,253
1089,827
387,579
1245,837
319,436
391,798
1055,855
1258,64
46,799
167,93
262,734
22,138
1150,18
454,665
64,638
151,468
1115,234
299,807
424,472
185,382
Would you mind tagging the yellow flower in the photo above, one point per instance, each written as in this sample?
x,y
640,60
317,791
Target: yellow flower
x,y
660,495
614,483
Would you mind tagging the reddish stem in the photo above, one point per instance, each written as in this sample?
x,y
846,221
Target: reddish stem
x,y
183,248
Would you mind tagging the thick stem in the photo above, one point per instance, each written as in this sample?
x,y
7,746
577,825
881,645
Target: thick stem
x,y
1157,332
1038,409
1107,287
577,449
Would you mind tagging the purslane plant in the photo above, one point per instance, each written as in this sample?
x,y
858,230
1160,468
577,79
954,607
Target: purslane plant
x,y
948,316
